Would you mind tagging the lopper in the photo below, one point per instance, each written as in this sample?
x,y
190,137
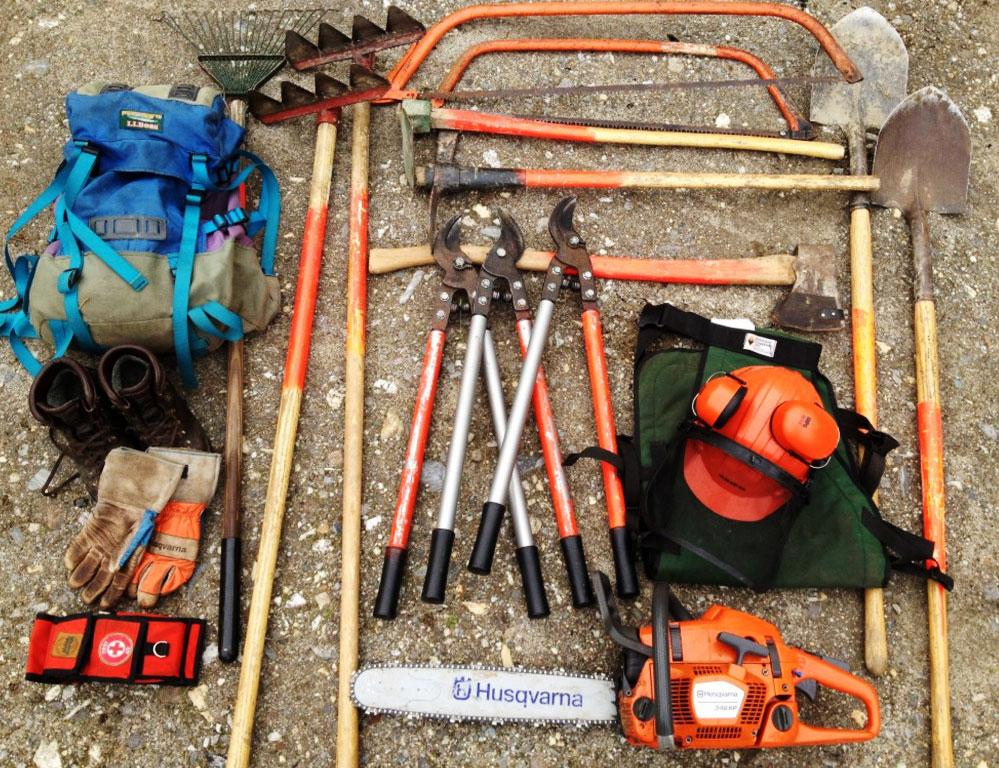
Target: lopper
x,y
462,278
571,256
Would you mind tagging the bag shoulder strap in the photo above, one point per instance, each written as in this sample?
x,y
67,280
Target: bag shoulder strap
x,y
657,320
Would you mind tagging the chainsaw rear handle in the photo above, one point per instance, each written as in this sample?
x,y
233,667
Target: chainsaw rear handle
x,y
420,50
830,676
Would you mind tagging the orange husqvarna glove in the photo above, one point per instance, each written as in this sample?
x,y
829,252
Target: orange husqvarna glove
x,y
169,560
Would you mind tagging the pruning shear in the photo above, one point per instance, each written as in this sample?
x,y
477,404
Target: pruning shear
x,y
571,256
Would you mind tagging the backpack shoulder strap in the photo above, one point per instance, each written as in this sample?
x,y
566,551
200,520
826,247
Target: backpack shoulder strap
x,y
877,445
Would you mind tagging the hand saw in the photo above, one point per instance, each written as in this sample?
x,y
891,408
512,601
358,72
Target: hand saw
x,y
725,680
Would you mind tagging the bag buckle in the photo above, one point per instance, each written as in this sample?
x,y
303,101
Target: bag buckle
x,y
195,196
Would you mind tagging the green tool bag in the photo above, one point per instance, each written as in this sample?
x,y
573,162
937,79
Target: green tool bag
x,y
832,535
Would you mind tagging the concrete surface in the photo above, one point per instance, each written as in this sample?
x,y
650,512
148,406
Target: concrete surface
x,y
57,45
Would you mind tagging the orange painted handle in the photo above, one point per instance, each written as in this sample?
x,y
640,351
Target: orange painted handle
x,y
830,676
420,50
409,483
603,412
558,484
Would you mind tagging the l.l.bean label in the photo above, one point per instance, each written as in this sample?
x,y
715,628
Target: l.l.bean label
x,y
717,700
140,121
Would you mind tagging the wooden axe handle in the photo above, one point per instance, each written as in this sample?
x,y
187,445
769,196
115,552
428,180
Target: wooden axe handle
x,y
774,269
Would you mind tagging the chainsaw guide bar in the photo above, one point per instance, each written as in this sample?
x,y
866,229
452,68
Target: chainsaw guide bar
x,y
485,694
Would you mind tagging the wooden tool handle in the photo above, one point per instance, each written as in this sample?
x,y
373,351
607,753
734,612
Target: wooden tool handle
x,y
282,461
229,574
775,269
347,748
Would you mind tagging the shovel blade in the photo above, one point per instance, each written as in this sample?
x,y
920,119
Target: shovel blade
x,y
923,156
878,50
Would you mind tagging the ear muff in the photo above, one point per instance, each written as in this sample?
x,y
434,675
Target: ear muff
x,y
719,399
805,429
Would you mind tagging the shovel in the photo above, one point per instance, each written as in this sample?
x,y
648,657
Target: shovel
x,y
923,157
880,53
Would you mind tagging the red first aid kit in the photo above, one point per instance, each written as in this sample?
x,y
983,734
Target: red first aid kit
x,y
115,648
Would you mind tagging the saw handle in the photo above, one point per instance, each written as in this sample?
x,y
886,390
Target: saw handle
x,y
830,676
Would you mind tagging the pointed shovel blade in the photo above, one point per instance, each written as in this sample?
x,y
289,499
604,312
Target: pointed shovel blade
x,y
923,157
878,50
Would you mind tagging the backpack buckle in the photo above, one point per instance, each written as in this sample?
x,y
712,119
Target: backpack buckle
x,y
195,196
68,280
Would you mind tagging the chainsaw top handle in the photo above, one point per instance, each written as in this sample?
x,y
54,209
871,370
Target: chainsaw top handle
x,y
417,53
826,674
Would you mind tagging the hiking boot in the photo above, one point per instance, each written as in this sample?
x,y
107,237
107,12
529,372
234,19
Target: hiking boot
x,y
135,383
64,397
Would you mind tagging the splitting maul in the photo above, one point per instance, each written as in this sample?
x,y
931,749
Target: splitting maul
x,y
571,255
725,680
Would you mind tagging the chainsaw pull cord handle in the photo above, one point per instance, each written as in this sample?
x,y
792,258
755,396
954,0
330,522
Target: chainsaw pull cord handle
x,y
660,666
809,667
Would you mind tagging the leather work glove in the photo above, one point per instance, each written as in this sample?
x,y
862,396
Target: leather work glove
x,y
169,561
133,488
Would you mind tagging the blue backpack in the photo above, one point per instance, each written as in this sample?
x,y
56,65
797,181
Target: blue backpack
x,y
151,244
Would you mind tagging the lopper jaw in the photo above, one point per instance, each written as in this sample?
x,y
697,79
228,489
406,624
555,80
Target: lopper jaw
x,y
501,264
460,275
570,254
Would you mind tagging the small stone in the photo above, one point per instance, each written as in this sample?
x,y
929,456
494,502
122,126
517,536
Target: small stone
x,y
274,736
491,158
506,656
36,67
323,599
723,121
388,387
988,430
38,480
983,114
297,600
47,755
370,523
53,693
16,536
883,348
476,609
210,654
324,652
322,546
197,696
491,233
414,283
391,426
858,717
334,399
482,211
135,740
432,475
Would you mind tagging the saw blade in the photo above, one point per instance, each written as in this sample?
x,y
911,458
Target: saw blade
x,y
595,122
485,694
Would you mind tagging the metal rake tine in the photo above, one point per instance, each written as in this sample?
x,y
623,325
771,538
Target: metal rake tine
x,y
364,30
399,22
331,39
295,95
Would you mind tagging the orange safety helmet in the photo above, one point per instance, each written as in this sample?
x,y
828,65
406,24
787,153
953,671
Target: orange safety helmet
x,y
774,412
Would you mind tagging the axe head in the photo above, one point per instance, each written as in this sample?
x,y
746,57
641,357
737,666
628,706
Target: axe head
x,y
813,304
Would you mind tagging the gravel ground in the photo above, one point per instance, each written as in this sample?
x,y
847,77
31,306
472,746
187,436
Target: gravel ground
x,y
57,45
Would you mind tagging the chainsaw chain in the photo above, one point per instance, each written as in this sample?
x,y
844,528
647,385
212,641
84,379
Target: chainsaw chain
x,y
476,718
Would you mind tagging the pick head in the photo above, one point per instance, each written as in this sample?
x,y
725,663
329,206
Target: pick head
x,y
923,156
878,50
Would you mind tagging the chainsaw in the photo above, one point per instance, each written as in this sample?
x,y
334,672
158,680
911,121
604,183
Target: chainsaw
x,y
725,680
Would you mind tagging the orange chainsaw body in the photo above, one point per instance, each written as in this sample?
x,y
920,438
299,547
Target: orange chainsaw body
x,y
720,703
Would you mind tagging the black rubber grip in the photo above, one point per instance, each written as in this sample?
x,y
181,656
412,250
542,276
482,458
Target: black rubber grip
x,y
453,178
576,570
484,548
435,583
534,583
624,564
229,578
387,600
